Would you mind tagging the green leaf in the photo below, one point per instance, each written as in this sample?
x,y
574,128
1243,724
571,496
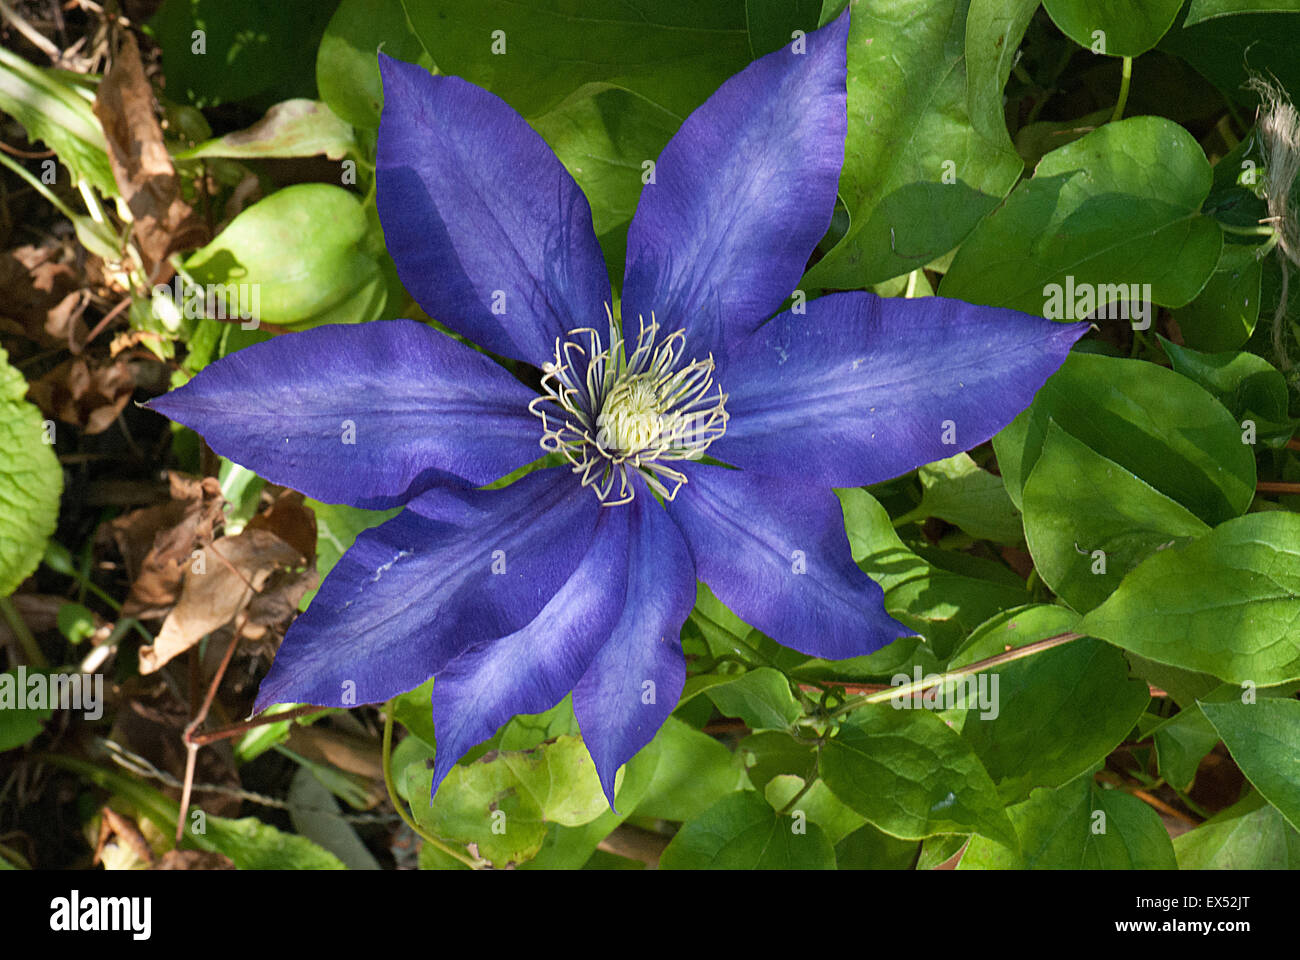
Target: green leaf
x,y
1078,826
957,490
771,23
1129,28
503,802
255,845
18,726
1248,385
927,153
694,772
301,250
294,128
1097,213
761,698
1227,49
741,832
1206,9
58,113
1224,313
673,52
1181,744
241,50
1151,421
870,849
1249,835
1227,604
1077,503
602,134
1200,10
912,776
818,804
31,480
1055,715
774,753
1264,738
347,65
940,605
571,847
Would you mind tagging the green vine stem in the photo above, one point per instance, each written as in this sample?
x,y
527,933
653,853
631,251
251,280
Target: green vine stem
x,y
882,696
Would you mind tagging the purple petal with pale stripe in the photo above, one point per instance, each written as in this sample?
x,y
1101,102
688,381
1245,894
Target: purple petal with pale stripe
x,y
455,568
776,553
862,388
368,414
742,194
636,678
488,230
532,669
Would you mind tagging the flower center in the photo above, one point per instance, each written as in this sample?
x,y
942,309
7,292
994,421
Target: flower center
x,y
620,411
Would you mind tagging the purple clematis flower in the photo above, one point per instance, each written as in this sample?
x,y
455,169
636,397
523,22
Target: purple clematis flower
x,y
702,437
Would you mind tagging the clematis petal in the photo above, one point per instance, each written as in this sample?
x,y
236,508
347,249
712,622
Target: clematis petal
x,y
636,678
369,414
455,568
741,195
532,669
488,230
862,389
776,553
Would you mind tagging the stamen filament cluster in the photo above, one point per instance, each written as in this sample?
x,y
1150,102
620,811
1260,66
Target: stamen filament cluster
x,y
621,411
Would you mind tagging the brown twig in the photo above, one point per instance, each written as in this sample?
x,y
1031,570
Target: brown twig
x,y
191,747
224,733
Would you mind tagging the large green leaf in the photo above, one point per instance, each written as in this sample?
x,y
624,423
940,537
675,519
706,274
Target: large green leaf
x,y
674,52
694,772
1248,385
217,51
1227,604
1078,826
347,65
1153,422
1226,50
772,23
957,490
302,249
761,698
1206,9
1077,503
912,776
603,134
31,480
1249,835
58,113
1127,28
1097,214
1264,738
1056,714
941,605
503,802
741,832
927,152
1224,313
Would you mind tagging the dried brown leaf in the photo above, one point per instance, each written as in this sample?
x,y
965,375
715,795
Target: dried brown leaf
x,y
164,223
83,394
218,585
